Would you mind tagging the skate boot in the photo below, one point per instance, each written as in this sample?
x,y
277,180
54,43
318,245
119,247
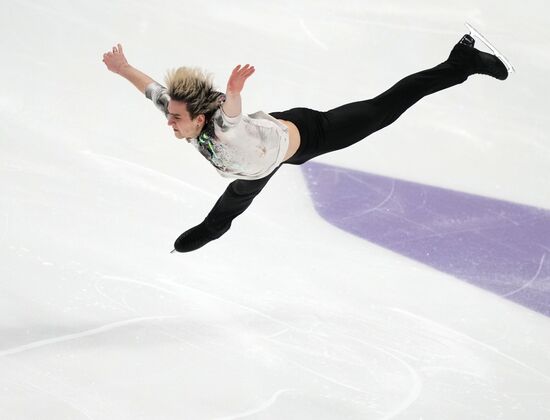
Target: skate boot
x,y
472,60
197,237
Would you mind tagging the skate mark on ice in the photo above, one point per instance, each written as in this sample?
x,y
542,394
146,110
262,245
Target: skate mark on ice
x,y
139,283
86,333
358,362
528,283
121,305
264,406
376,206
56,397
491,243
311,36
336,342
326,377
415,379
447,329
183,291
277,334
233,303
417,384
137,171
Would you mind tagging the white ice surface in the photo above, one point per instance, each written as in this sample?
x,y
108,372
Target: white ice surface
x,y
285,317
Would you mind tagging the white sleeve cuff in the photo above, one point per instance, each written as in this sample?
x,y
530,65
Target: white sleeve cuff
x,y
231,120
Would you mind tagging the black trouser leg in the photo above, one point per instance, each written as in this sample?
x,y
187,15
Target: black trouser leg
x,y
348,124
236,198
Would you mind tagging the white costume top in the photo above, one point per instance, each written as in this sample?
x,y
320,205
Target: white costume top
x,y
243,147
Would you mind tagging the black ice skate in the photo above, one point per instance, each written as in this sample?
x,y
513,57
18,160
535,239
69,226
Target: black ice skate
x,y
197,237
478,62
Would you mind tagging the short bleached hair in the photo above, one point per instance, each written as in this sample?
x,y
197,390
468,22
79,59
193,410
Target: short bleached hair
x,y
194,87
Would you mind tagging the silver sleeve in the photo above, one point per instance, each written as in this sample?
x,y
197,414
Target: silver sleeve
x,y
157,93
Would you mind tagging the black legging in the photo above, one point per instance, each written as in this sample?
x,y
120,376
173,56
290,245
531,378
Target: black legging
x,y
323,132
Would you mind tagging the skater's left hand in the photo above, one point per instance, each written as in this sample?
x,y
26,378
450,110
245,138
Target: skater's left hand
x,y
238,77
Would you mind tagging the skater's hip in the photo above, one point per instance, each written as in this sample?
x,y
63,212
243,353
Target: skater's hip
x,y
293,139
308,134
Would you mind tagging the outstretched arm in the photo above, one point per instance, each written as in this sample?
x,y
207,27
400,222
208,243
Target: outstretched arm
x,y
232,106
117,63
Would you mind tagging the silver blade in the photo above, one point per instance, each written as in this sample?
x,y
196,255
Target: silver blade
x,y
475,33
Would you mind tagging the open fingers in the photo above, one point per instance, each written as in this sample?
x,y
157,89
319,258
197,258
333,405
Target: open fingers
x,y
245,71
248,68
117,49
249,72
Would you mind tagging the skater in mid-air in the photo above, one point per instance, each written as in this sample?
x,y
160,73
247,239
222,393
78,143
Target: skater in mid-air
x,y
251,148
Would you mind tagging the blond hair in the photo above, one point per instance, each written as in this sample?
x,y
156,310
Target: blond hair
x,y
194,87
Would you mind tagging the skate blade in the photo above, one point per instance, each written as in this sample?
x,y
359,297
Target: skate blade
x,y
475,33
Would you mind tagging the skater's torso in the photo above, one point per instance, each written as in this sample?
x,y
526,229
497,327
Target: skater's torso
x,y
293,139
242,147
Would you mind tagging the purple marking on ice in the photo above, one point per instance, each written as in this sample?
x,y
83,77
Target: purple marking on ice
x,y
497,245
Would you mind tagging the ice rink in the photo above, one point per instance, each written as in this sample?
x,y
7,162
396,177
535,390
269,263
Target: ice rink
x,y
406,277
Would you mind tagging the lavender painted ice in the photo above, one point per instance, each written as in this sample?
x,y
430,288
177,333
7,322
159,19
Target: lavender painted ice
x,y
497,245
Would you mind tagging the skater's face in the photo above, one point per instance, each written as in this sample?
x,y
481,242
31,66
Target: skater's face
x,y
180,121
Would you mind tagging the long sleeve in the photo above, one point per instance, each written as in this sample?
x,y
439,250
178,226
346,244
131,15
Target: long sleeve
x,y
157,93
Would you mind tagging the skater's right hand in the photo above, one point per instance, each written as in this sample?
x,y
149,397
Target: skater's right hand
x,y
115,59
239,75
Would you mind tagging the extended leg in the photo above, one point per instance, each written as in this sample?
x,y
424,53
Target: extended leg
x,y
353,122
236,199
348,124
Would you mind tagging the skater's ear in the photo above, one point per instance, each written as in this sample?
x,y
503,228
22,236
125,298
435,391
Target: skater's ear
x,y
201,119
